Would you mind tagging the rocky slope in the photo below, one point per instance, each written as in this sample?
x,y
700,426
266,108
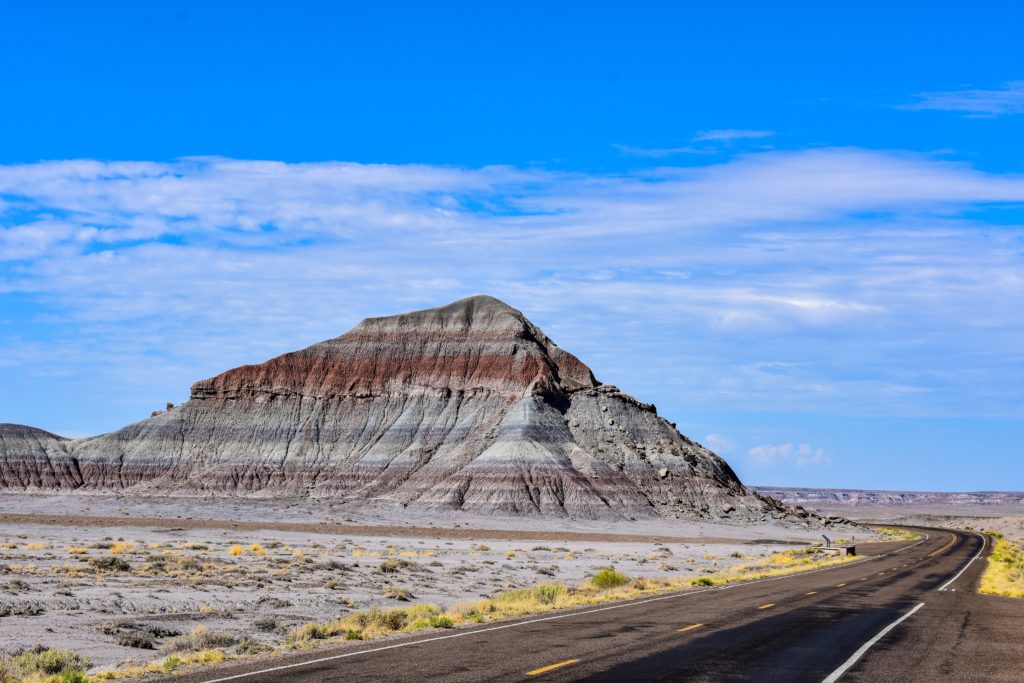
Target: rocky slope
x,y
835,498
468,406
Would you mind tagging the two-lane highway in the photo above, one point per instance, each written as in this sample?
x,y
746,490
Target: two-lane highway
x,y
905,612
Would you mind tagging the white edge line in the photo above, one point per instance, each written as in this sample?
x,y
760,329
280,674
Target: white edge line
x,y
621,605
984,543
835,675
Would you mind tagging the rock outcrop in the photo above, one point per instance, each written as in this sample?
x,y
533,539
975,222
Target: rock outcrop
x,y
468,406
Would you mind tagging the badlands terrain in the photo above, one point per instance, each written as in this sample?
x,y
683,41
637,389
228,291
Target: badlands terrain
x,y
443,456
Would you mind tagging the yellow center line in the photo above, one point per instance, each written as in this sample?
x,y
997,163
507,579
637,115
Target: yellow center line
x,y
690,627
551,667
944,548
840,585
768,606
811,593
864,578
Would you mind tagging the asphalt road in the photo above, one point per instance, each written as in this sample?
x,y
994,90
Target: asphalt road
x,y
906,613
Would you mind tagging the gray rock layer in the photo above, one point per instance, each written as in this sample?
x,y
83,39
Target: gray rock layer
x,y
464,407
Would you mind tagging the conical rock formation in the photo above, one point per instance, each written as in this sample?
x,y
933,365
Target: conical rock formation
x,y
468,406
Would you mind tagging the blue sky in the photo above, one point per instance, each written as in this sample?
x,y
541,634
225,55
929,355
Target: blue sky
x,y
796,229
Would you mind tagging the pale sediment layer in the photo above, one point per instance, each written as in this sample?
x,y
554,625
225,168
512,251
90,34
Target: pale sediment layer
x,y
464,407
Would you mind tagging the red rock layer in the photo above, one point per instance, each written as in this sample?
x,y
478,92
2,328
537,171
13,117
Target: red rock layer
x,y
468,406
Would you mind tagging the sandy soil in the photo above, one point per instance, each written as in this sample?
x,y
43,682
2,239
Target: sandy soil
x,y
113,578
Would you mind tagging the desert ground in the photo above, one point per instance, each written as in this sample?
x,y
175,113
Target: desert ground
x,y
122,581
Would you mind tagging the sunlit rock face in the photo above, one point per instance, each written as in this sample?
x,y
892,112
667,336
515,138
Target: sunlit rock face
x,y
468,406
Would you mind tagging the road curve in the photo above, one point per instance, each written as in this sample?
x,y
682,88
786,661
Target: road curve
x,y
906,612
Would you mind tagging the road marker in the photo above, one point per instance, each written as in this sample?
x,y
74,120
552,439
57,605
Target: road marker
x,y
840,585
984,542
768,606
811,593
690,627
835,675
551,667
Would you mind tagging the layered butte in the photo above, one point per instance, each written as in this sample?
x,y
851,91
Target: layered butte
x,y
464,407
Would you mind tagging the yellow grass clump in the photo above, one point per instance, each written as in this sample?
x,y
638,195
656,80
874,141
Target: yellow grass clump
x,y
257,549
235,550
169,664
36,546
76,550
122,547
1004,574
891,534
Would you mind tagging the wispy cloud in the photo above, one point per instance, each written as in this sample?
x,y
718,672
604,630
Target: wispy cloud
x,y
656,152
731,134
717,138
832,279
974,102
800,455
721,445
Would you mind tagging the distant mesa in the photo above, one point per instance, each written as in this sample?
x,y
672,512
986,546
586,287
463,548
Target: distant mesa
x,y
464,407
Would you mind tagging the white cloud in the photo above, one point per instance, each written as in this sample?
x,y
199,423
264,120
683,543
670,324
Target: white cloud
x,y
974,102
656,152
801,455
731,134
832,279
719,444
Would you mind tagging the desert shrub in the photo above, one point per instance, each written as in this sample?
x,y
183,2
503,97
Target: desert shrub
x,y
143,641
393,565
392,593
201,638
703,581
248,646
110,564
44,661
547,593
608,578
311,631
442,622
267,624
235,550
384,620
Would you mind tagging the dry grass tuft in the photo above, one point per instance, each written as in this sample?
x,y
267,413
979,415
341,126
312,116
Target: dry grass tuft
x,y
1004,574
44,664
